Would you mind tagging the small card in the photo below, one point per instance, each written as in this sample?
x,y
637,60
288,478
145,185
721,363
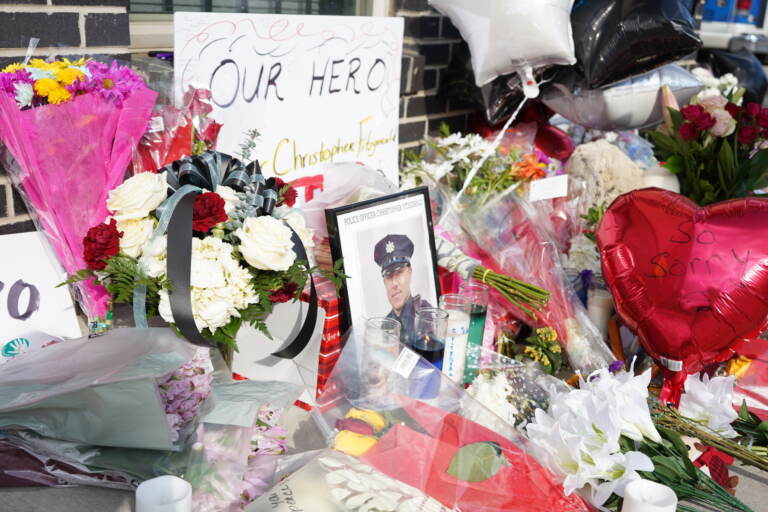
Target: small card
x,y
548,188
405,363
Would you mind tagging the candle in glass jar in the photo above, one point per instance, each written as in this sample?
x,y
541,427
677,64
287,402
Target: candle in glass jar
x,y
600,308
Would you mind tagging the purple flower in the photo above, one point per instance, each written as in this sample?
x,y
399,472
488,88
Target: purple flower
x,y
10,79
185,390
113,82
616,366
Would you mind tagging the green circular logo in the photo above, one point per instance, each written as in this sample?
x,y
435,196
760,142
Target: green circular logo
x,y
14,347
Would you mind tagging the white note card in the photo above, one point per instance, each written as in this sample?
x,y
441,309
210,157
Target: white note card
x,y
548,188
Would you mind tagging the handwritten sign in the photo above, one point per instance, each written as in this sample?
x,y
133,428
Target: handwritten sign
x,y
318,89
29,299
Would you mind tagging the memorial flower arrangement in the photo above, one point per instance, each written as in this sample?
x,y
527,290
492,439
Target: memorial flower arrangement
x,y
451,157
69,128
243,260
716,147
601,436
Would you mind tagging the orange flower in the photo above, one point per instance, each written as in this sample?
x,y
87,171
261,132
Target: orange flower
x,y
529,168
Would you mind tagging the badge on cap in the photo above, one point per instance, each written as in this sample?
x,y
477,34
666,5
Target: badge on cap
x,y
390,248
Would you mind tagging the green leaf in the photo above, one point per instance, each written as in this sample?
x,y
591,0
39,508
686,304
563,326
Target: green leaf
x,y
725,159
744,411
677,118
664,141
477,462
675,164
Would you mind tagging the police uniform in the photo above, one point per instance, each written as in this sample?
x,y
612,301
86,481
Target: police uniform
x,y
391,253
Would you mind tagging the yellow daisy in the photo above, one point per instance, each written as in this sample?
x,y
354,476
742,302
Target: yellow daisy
x,y
79,62
59,95
50,66
68,75
16,66
45,86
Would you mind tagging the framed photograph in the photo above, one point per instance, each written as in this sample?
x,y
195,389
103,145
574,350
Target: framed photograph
x,y
387,246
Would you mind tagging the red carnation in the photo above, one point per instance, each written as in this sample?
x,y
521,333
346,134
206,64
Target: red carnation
x,y
101,243
733,109
283,294
207,211
747,134
704,122
689,132
692,112
286,193
752,109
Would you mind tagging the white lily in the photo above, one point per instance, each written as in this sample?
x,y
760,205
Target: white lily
x,y
710,402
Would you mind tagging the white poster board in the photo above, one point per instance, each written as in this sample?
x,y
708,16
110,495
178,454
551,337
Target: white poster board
x,y
30,302
319,89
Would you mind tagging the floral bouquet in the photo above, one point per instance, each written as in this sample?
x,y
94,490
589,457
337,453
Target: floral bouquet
x,y
716,147
600,437
207,243
69,129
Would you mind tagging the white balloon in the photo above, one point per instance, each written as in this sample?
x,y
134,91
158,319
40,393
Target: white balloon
x,y
627,105
507,36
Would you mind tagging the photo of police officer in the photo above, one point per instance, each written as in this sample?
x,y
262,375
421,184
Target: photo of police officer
x,y
393,255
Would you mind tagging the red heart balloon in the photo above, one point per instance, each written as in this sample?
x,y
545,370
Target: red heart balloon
x,y
690,282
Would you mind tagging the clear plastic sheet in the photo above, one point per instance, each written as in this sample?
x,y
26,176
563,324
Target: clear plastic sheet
x,y
515,237
751,376
400,416
64,159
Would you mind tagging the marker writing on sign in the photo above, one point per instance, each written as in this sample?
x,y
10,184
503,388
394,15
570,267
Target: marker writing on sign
x,y
254,81
664,265
14,298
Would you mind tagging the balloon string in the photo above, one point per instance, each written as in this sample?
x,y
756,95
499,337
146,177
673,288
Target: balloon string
x,y
490,151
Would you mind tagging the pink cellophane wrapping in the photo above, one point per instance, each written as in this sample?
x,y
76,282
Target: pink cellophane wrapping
x,y
67,159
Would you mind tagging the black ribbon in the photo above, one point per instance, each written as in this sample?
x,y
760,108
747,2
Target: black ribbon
x,y
200,171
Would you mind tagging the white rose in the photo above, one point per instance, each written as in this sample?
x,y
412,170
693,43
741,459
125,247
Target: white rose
x,y
153,260
135,235
265,243
137,196
231,201
296,220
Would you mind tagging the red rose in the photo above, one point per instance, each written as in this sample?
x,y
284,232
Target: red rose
x,y
733,109
689,132
704,122
747,134
692,112
284,294
762,118
752,109
207,211
101,243
210,133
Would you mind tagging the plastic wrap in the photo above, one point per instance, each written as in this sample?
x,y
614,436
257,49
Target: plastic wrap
x,y
400,416
507,37
617,39
751,371
627,105
231,456
510,236
95,392
64,159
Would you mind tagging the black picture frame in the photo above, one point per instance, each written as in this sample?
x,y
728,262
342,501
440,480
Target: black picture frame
x,y
334,216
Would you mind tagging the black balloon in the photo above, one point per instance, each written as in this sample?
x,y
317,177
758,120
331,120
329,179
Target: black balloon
x,y
744,66
617,39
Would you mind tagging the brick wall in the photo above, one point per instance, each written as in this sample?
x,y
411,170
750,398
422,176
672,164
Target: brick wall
x,y
430,42
65,28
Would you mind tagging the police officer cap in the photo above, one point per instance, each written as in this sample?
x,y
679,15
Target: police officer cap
x,y
392,250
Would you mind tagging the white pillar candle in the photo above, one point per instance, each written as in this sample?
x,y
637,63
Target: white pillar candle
x,y
661,178
164,494
600,308
647,496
